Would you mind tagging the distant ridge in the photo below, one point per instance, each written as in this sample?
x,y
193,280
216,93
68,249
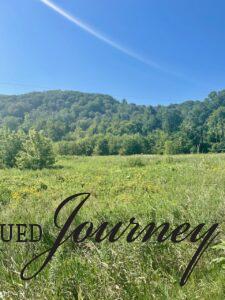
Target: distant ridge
x,y
65,115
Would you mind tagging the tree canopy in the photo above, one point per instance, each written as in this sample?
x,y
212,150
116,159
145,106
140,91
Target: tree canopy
x,y
86,124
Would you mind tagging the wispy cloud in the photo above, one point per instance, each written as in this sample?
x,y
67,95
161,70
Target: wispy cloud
x,y
104,38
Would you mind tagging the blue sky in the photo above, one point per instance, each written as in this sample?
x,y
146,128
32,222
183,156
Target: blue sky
x,y
147,51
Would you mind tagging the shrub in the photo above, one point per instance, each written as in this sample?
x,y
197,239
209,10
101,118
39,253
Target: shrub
x,y
84,146
37,152
132,145
5,195
135,162
10,145
102,147
218,147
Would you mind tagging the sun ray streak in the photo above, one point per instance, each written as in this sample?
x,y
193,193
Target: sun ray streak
x,y
104,38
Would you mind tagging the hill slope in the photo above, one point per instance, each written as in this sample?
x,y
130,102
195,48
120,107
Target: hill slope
x,y
69,115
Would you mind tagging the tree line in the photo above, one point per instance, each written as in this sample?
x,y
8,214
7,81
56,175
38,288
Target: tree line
x,y
89,124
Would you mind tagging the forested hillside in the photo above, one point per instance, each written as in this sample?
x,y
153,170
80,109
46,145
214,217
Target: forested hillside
x,y
86,124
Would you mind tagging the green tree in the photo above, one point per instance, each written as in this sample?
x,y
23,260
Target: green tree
x,y
216,125
132,145
102,147
36,153
10,145
83,146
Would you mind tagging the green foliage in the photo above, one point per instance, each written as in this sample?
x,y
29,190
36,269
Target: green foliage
x,y
102,147
170,148
10,145
220,259
132,145
87,124
31,151
36,152
135,161
5,195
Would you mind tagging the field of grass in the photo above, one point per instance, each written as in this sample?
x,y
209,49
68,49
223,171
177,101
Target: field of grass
x,y
176,189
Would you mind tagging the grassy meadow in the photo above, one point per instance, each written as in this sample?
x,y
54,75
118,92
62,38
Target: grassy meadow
x,y
150,188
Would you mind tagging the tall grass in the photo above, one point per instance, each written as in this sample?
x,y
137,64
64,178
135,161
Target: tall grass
x,y
151,189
